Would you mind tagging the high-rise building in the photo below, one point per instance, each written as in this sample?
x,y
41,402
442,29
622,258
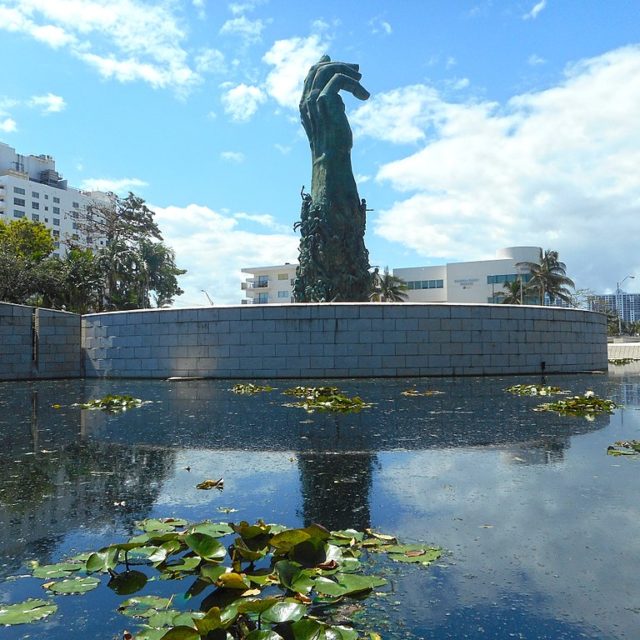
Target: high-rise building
x,y
624,305
32,188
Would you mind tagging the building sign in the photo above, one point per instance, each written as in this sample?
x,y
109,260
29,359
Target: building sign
x,y
465,283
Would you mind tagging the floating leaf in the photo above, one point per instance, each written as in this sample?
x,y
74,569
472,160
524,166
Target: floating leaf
x,y
102,560
622,361
206,546
258,634
181,633
211,484
418,554
534,390
143,606
249,388
586,405
59,570
232,580
73,585
213,529
112,403
28,611
624,448
325,399
284,611
414,393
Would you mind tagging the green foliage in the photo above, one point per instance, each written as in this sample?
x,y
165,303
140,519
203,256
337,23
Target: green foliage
x,y
549,277
624,448
112,403
325,399
414,393
534,390
622,361
28,611
586,406
258,580
249,388
387,288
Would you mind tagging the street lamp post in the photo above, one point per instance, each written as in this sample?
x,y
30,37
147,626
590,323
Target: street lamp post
x,y
621,309
208,298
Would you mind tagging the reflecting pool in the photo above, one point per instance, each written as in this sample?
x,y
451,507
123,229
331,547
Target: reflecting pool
x,y
541,526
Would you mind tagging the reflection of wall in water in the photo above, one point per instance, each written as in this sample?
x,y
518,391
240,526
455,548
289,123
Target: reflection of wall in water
x,y
47,495
335,489
547,451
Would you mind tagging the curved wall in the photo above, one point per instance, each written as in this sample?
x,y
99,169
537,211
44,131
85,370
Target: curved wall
x,y
343,340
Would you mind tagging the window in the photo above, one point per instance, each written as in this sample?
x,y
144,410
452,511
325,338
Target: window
x,y
262,298
35,194
262,281
284,294
75,205
56,222
282,276
56,233
425,284
509,277
35,205
35,217
75,225
56,210
46,197
19,201
18,214
19,190
56,200
46,208
56,245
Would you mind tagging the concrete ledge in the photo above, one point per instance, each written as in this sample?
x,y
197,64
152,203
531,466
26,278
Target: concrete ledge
x,y
343,340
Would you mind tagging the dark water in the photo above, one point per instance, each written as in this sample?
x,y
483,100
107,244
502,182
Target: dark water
x,y
542,528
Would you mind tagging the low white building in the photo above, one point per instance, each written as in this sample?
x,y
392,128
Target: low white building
x,y
474,282
268,285
31,188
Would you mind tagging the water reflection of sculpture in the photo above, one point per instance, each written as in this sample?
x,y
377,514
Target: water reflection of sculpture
x,y
333,262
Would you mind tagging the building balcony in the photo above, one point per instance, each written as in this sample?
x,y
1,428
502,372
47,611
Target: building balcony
x,y
251,284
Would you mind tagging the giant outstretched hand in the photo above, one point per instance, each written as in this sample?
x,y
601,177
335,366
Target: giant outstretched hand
x,y
321,107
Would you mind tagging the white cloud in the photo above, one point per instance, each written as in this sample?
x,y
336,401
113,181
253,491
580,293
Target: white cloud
x,y
378,25
8,125
555,168
107,35
210,61
399,116
118,185
214,250
535,60
242,101
291,60
282,148
250,31
264,219
49,103
535,10
232,156
200,7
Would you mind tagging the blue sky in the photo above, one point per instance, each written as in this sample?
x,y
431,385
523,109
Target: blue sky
x,y
490,123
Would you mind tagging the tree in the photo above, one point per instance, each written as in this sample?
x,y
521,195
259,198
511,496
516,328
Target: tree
x,y
24,266
549,277
387,288
135,262
513,292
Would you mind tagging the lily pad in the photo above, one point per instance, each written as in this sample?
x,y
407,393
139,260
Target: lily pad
x,y
112,403
73,586
534,390
30,610
143,606
59,570
587,406
624,448
250,388
284,611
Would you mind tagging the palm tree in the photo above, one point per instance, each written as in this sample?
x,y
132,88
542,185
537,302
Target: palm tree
x,y
549,277
513,292
387,288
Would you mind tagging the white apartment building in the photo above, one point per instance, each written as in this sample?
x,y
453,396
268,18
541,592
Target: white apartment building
x,y
269,285
31,188
472,282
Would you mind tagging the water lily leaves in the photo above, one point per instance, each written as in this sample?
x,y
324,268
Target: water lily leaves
x,y
212,573
28,611
414,393
72,585
181,632
59,570
328,587
213,529
354,583
586,406
624,448
185,564
344,633
414,553
127,582
285,541
284,611
249,531
209,622
206,546
258,634
207,485
346,537
112,403
167,618
102,560
293,577
249,388
534,390
143,606
233,580
160,525
256,606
